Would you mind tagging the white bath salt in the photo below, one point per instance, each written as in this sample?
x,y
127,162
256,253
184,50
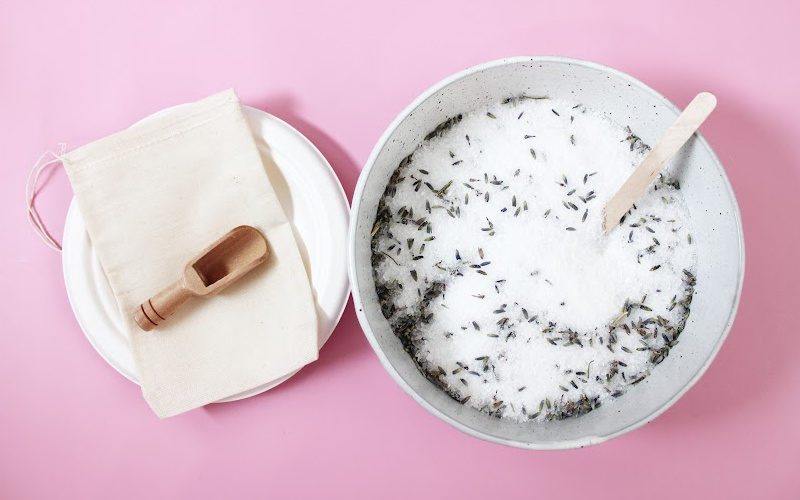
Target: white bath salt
x,y
491,267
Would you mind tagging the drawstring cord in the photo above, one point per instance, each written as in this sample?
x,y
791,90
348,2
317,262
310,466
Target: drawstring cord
x,y
31,191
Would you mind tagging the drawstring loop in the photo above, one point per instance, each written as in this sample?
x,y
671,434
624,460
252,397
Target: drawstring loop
x,y
48,159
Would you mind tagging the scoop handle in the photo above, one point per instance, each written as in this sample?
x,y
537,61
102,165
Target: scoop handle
x,y
681,130
159,307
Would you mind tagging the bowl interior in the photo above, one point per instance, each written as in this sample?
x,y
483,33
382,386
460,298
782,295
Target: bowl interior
x,y
711,203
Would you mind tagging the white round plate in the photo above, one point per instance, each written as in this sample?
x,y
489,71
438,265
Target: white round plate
x,y
315,204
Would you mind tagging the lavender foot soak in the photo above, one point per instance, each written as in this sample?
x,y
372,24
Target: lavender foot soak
x,y
491,267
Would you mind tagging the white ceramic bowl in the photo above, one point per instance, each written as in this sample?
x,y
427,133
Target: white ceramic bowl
x,y
713,208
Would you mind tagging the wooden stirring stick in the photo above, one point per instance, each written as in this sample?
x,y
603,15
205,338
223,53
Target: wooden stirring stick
x,y
674,138
223,262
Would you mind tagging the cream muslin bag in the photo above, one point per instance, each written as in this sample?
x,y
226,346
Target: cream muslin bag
x,y
155,195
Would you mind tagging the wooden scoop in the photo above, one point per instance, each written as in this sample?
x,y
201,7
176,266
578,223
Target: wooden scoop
x,y
223,262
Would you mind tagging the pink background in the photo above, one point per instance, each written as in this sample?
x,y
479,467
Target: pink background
x,y
70,426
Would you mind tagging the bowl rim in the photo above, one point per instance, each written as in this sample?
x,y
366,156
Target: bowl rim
x,y
356,293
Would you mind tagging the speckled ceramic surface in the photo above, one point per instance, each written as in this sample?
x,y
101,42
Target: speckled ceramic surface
x,y
717,232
